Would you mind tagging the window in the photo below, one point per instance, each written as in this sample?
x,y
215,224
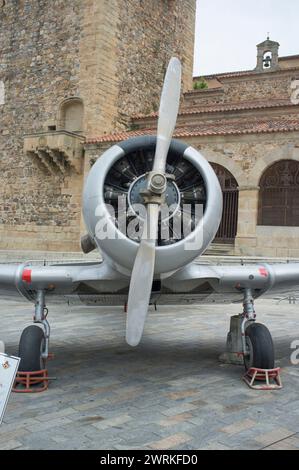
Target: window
x,y
71,115
279,194
227,230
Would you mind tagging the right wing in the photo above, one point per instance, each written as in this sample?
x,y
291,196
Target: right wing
x,y
72,283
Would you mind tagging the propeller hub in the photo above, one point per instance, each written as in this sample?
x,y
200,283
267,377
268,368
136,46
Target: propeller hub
x,y
157,183
138,191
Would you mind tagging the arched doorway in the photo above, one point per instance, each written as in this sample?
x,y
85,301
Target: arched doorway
x,y
279,194
228,226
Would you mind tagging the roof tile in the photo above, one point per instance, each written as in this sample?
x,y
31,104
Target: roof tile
x,y
212,129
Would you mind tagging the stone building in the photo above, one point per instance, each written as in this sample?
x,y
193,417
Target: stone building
x,y
247,125
70,70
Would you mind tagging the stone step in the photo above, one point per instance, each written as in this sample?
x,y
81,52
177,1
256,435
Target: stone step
x,y
12,256
220,249
39,257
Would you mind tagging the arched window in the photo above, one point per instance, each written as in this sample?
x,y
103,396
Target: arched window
x,y
228,226
71,115
279,194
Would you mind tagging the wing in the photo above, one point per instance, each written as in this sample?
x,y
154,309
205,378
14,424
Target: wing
x,y
86,283
221,284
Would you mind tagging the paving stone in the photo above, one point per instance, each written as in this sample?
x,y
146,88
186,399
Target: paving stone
x,y
171,420
179,409
182,394
274,436
113,422
238,426
48,424
282,445
10,445
171,442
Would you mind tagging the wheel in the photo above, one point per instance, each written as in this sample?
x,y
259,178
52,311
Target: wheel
x,y
30,349
260,345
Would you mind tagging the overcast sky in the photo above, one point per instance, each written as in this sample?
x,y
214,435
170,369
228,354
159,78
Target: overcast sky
x,y
227,32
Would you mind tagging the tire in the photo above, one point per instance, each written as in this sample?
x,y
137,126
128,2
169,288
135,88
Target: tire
x,y
260,345
30,349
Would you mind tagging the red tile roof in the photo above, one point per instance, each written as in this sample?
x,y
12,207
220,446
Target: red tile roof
x,y
216,108
288,57
242,73
212,129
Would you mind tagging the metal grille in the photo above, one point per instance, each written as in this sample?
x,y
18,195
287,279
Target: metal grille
x,y
228,226
279,195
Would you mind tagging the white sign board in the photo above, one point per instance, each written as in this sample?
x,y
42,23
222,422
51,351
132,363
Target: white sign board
x,y
8,369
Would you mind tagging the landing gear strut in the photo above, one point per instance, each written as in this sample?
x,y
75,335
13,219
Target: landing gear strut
x,y
34,341
249,339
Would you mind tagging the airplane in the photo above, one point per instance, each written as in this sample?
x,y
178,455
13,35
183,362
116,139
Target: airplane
x,y
146,267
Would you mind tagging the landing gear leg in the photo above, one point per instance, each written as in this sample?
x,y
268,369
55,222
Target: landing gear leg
x,y
41,313
34,341
248,341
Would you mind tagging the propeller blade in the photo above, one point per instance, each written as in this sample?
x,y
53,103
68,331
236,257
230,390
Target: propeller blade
x,y
143,270
168,111
142,278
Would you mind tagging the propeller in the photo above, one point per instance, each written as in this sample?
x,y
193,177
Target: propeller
x,y
143,269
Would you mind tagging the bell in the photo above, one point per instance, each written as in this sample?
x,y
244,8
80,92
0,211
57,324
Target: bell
x,y
267,62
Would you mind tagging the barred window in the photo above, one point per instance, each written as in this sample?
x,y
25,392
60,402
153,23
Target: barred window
x,y
228,226
279,195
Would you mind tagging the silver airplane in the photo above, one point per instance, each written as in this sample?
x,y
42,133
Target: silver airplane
x,y
136,271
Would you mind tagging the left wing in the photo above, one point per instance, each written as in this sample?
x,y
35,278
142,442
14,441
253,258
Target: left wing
x,y
229,282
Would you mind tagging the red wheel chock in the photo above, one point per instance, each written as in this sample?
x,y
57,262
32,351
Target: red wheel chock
x,y
270,377
25,381
32,382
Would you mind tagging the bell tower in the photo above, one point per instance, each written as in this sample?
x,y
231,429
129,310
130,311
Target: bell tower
x,y
267,56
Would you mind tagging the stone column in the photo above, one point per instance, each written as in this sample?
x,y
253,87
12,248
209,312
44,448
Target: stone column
x,y
245,241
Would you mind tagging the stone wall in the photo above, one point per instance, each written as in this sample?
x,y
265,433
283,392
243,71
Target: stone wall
x,y
247,157
150,33
39,66
109,53
248,88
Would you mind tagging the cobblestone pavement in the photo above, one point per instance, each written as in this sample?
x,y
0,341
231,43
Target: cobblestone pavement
x,y
171,392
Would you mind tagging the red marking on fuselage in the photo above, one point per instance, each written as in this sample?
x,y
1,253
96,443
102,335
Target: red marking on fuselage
x,y
26,276
263,272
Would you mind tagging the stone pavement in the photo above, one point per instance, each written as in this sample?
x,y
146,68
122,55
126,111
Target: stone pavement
x,y
171,392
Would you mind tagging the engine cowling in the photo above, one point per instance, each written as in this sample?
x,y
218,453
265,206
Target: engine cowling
x,y
121,172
